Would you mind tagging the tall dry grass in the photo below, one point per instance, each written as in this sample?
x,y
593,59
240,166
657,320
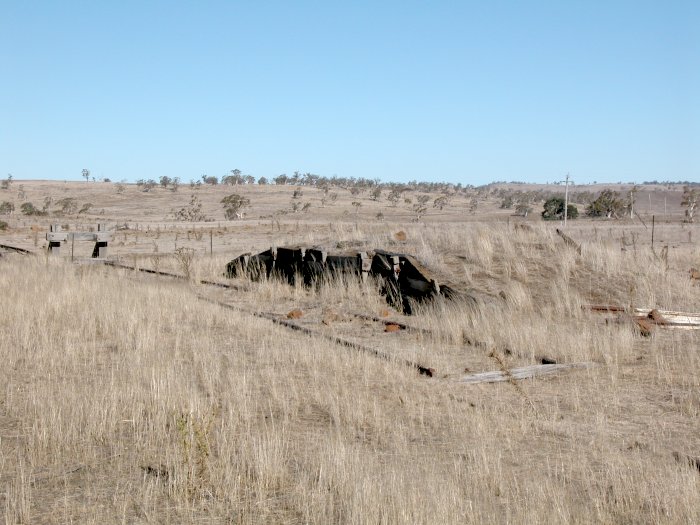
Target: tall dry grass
x,y
126,399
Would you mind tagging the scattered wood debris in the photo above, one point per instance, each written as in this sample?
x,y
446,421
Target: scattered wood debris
x,y
521,373
648,318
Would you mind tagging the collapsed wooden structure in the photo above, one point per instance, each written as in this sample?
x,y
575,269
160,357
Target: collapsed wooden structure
x,y
403,279
101,239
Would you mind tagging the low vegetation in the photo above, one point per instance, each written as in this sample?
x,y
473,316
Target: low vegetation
x,y
128,397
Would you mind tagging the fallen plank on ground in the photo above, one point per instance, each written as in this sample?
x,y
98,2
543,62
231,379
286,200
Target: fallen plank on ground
x,y
521,373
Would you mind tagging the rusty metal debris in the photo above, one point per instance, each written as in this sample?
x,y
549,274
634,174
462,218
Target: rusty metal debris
x,y
403,279
15,249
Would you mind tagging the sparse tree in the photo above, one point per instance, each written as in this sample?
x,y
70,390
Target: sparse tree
x,y
375,193
423,199
608,204
523,210
554,210
233,179
29,209
690,201
165,181
7,208
67,206
262,181
48,201
86,175
441,202
394,197
631,199
507,202
233,204
192,212
419,210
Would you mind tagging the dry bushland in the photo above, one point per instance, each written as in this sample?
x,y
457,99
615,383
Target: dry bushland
x,y
127,398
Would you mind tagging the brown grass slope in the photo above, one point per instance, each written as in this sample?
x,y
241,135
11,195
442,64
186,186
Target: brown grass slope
x,y
127,398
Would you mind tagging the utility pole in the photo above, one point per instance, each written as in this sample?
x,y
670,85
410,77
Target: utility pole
x,y
566,198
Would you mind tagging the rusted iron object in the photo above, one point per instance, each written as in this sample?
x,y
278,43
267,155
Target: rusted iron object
x,y
15,249
604,308
404,281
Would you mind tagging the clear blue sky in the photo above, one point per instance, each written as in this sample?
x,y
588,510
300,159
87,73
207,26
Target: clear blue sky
x,y
465,92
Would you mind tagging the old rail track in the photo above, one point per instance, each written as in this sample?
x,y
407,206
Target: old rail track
x,y
286,323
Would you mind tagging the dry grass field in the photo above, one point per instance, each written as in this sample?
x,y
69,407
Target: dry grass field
x,y
128,397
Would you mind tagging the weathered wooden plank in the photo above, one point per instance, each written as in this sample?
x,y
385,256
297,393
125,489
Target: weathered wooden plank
x,y
79,236
521,373
667,315
57,237
670,317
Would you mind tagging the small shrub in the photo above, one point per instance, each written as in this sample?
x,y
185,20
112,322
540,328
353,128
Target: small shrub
x,y
184,257
29,209
192,212
67,206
